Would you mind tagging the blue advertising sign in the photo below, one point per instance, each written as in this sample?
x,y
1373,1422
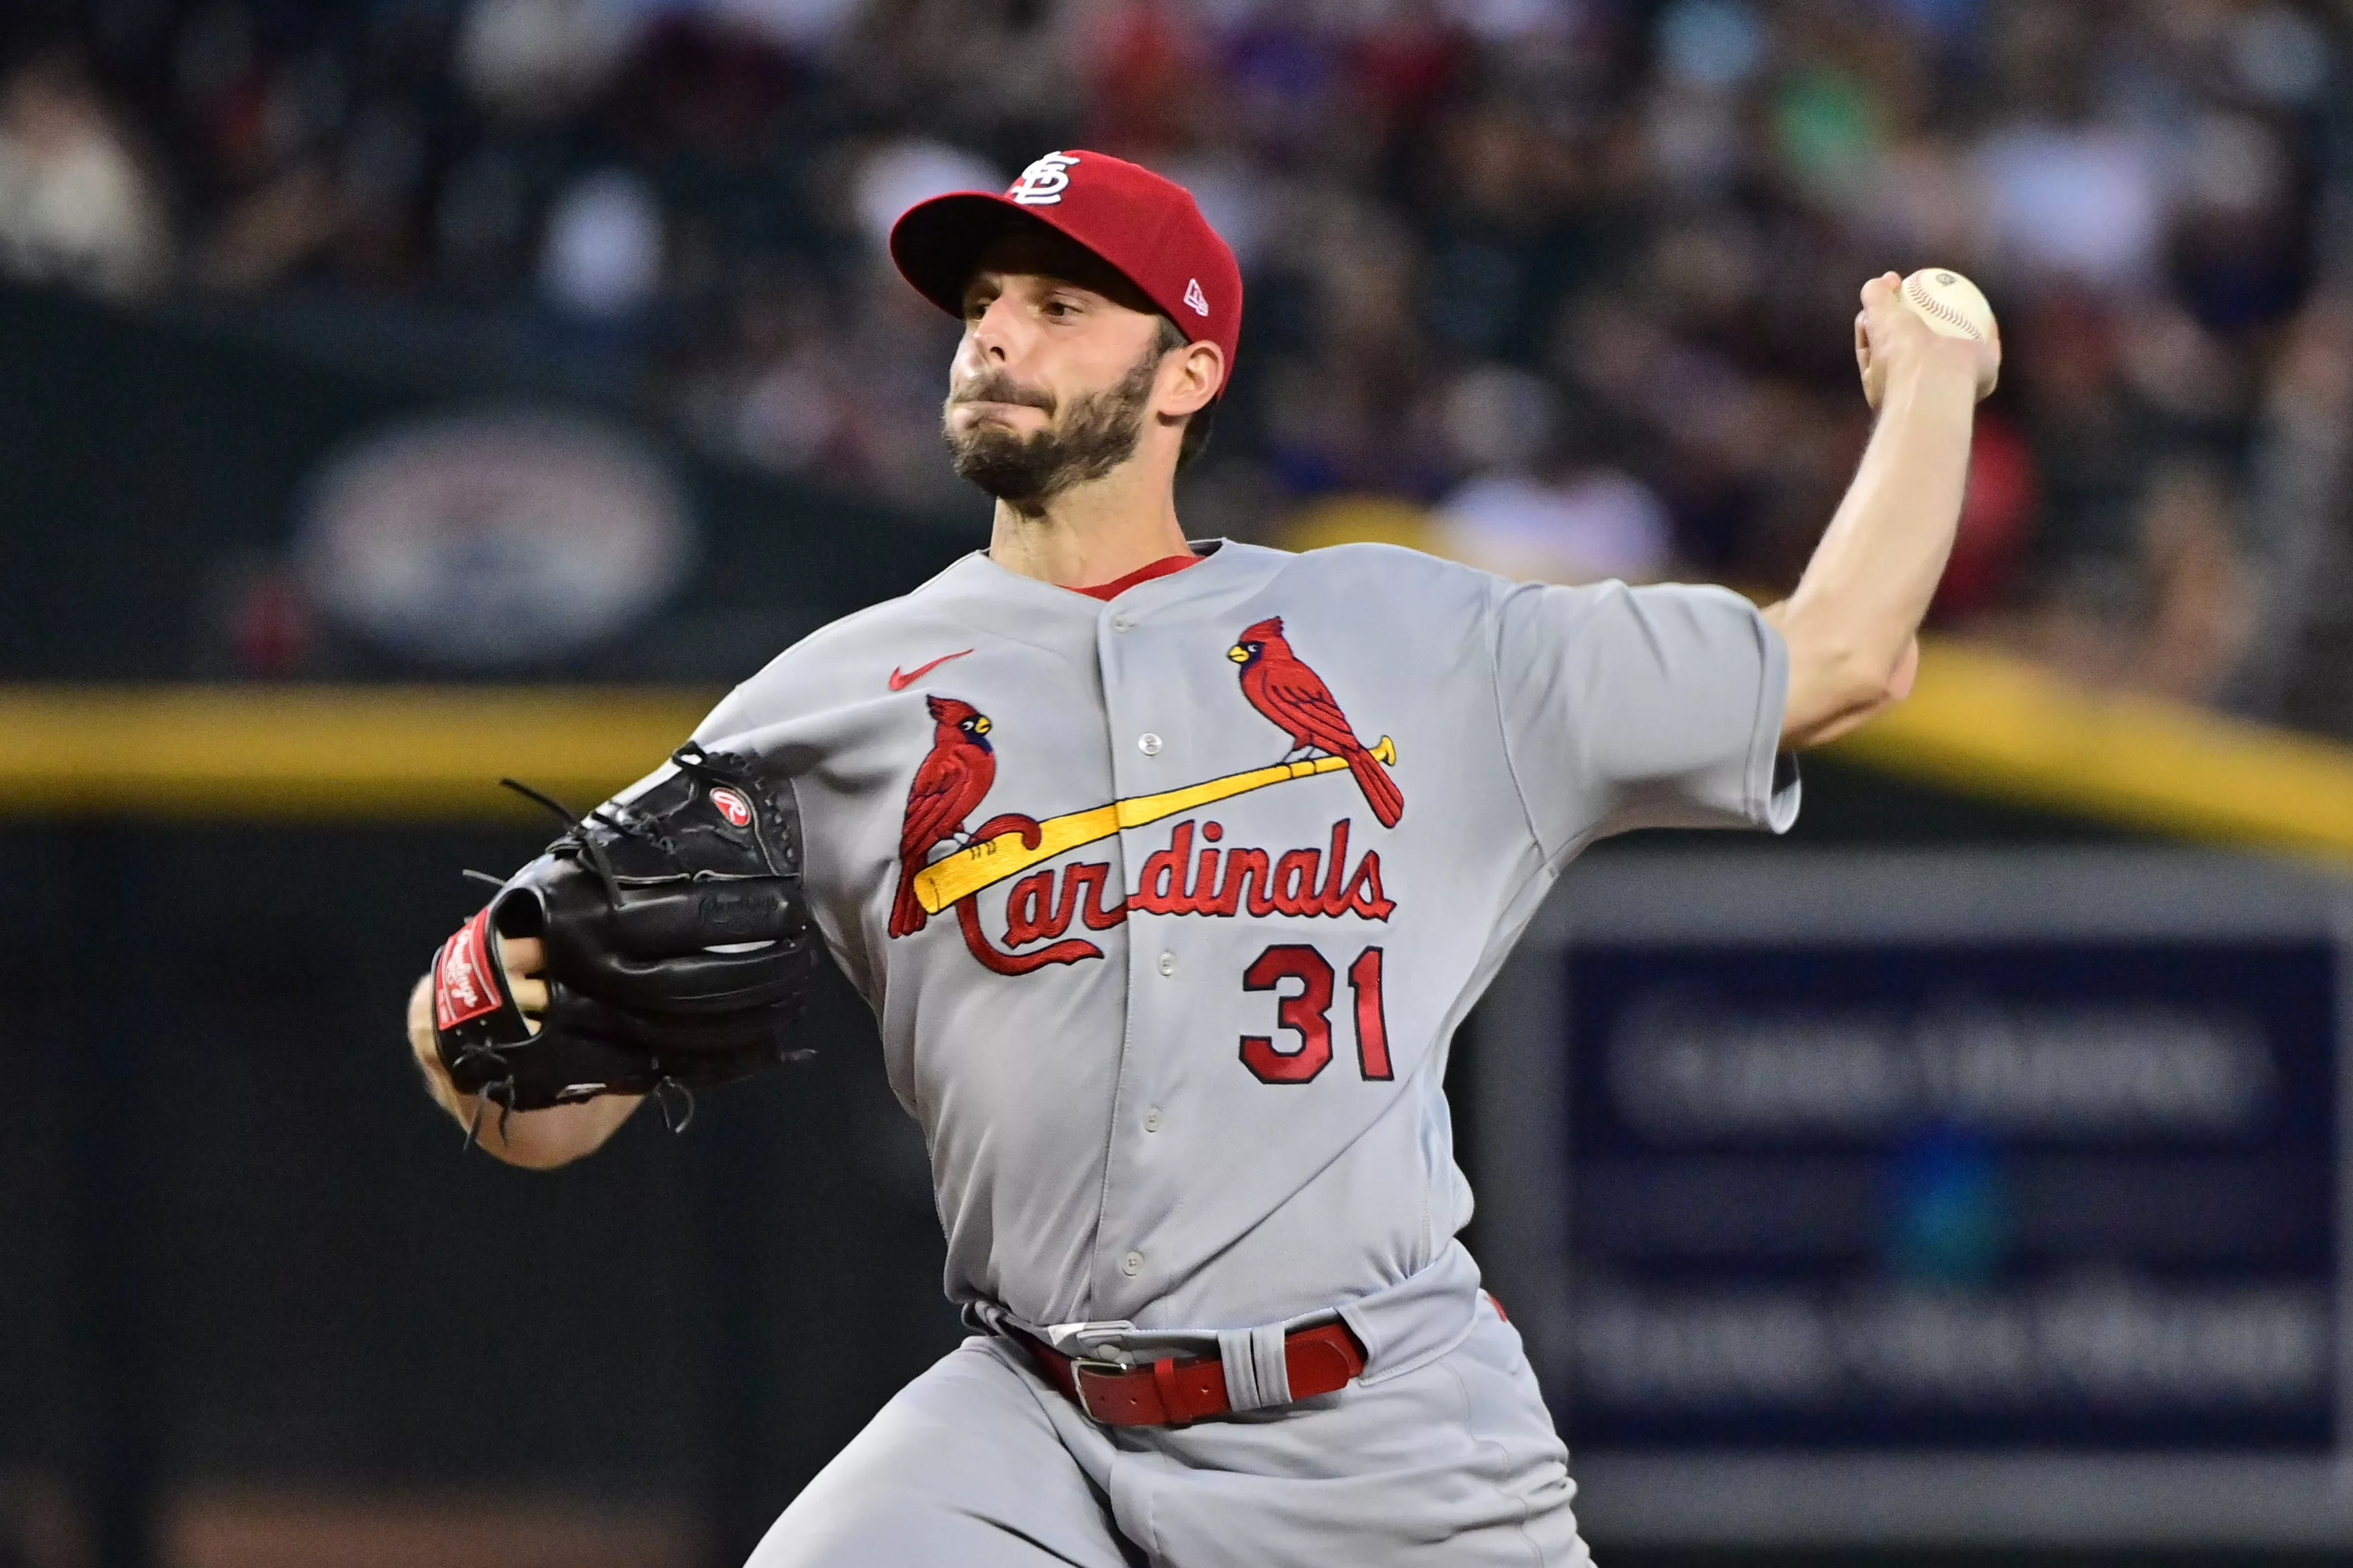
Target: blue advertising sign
x,y
2069,1191
1992,1196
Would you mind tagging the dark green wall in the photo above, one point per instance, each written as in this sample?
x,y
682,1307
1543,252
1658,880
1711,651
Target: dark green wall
x,y
240,1244
144,463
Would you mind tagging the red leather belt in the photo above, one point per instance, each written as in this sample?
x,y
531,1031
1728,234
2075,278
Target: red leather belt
x,y
1170,1392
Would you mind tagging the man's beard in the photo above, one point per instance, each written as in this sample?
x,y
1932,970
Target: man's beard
x,y
1100,432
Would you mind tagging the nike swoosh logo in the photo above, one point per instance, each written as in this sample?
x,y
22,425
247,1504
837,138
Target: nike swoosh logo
x,y
901,682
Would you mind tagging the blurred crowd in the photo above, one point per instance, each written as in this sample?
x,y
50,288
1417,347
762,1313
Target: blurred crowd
x,y
1562,286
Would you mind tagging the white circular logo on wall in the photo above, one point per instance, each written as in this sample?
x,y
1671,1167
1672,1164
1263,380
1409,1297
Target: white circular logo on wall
x,y
487,539
1041,185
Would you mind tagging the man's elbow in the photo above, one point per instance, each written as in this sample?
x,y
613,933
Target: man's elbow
x,y
1843,690
553,1137
527,1153
542,1159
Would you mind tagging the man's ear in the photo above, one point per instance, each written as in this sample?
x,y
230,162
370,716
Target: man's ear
x,y
1200,377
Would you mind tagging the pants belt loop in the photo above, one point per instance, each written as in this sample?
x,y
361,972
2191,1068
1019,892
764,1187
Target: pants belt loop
x,y
1258,1366
1242,1391
1269,1351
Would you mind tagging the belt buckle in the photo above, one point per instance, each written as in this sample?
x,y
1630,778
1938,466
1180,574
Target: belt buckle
x,y
1079,1367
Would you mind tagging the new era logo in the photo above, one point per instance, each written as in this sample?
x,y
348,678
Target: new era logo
x,y
1041,185
1195,297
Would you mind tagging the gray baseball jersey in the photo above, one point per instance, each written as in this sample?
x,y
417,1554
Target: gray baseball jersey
x,y
1169,906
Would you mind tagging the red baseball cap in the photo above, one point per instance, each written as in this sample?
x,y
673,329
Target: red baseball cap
x,y
1145,225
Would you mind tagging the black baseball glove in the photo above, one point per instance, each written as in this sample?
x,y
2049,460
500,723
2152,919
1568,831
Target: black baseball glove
x,y
679,948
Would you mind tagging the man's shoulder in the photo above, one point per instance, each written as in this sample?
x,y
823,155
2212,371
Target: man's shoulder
x,y
1384,574
866,653
841,648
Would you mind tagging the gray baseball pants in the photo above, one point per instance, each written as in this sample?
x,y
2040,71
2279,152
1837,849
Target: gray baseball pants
x,y
980,1463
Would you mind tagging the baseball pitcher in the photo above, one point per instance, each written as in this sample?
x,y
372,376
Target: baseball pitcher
x,y
1168,869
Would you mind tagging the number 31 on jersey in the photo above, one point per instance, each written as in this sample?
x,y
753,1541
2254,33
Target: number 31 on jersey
x,y
1307,1013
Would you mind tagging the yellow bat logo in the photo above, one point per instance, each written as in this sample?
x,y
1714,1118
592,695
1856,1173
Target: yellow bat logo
x,y
941,884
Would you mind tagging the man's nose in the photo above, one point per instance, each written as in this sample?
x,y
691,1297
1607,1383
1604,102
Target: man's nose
x,y
995,337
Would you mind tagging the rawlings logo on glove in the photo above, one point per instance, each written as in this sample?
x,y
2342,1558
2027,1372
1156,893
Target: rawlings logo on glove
x,y
467,979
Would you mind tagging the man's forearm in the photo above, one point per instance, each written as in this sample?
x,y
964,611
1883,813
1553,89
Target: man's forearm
x,y
537,1140
1879,561
1854,615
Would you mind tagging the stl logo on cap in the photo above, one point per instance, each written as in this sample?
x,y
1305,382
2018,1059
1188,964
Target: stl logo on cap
x,y
1041,185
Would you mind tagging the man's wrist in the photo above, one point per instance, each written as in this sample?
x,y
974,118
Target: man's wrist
x,y
427,1052
436,1077
1930,371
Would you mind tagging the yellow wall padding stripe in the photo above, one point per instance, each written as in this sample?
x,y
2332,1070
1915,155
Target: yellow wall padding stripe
x,y
1990,724
1986,723
1979,723
321,752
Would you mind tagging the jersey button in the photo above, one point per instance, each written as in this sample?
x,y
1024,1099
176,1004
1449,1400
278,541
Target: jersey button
x,y
1167,963
1132,1265
1123,622
1152,1119
1148,744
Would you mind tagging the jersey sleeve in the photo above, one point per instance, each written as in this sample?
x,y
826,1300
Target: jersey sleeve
x,y
730,719
732,715
1657,706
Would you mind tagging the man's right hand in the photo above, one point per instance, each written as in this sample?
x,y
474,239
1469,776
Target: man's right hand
x,y
1890,334
537,1140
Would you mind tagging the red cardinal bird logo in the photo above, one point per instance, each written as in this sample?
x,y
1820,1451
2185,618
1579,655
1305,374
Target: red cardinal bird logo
x,y
1295,698
948,788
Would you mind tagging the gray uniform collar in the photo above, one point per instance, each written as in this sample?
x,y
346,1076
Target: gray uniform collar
x,y
979,591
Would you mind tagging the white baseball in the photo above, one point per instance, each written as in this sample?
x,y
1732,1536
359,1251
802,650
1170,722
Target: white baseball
x,y
1950,303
